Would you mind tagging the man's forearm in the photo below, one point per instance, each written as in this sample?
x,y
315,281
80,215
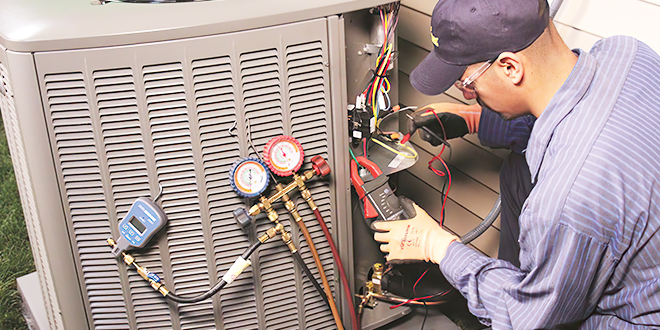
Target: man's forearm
x,y
496,132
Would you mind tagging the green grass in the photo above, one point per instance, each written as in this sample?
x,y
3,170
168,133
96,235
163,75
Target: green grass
x,y
15,256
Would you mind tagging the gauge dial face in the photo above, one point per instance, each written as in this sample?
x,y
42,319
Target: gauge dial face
x,y
250,178
284,155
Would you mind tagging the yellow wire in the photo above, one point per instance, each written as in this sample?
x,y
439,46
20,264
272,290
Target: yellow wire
x,y
374,102
387,81
412,154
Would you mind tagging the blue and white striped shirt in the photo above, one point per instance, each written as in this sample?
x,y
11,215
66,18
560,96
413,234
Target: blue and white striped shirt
x,y
589,230
496,132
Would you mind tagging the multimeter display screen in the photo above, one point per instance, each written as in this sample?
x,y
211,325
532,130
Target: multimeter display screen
x,y
137,224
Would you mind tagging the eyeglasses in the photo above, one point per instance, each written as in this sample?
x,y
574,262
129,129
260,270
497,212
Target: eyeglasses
x,y
467,85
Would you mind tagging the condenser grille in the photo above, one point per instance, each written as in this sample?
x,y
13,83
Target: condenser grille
x,y
262,94
76,148
170,127
307,97
307,103
122,136
177,115
214,92
262,100
119,117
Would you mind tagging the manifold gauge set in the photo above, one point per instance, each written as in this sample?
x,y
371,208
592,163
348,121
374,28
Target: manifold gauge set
x,y
283,155
249,177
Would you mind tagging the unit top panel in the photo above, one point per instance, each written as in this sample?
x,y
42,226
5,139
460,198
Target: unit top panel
x,y
48,25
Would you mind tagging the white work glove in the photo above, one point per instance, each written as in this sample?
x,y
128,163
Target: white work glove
x,y
419,238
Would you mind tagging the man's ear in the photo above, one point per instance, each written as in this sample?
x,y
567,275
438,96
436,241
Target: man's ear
x,y
511,66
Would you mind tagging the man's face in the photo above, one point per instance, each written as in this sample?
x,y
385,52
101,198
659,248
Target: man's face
x,y
494,91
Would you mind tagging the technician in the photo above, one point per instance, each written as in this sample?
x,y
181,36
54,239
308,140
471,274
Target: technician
x,y
589,229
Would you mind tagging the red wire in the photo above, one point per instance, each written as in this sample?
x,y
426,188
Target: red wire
x,y
437,157
411,300
420,277
444,201
420,298
444,134
414,293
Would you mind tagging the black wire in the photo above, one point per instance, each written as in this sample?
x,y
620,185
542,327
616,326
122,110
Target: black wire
x,y
217,287
301,263
201,297
250,249
426,313
442,215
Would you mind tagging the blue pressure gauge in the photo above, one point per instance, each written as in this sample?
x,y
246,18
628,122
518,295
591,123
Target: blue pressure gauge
x,y
142,221
248,177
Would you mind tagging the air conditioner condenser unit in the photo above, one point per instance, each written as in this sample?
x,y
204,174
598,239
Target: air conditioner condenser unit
x,y
106,103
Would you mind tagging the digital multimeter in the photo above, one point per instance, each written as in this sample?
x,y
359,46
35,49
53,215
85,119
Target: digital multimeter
x,y
142,221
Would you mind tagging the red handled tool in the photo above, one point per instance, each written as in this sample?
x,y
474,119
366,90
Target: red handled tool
x,y
356,180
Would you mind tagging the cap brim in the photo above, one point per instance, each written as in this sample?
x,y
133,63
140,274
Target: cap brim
x,y
433,76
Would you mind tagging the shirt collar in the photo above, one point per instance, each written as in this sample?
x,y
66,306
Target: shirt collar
x,y
562,103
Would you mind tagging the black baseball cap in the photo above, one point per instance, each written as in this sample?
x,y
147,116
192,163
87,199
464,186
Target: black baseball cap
x,y
465,32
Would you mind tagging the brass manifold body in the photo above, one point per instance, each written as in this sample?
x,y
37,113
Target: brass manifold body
x,y
266,204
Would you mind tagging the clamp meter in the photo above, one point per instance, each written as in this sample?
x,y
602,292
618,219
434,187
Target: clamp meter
x,y
142,221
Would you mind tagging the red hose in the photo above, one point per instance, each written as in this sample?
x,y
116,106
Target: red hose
x,y
342,274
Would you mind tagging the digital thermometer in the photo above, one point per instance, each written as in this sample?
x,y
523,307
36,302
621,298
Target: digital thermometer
x,y
142,221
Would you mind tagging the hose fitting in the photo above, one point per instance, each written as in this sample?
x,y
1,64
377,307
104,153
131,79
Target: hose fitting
x,y
270,233
153,279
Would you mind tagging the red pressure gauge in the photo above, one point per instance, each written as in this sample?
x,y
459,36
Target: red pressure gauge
x,y
284,155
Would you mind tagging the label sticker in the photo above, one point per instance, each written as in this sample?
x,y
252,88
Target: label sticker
x,y
396,161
